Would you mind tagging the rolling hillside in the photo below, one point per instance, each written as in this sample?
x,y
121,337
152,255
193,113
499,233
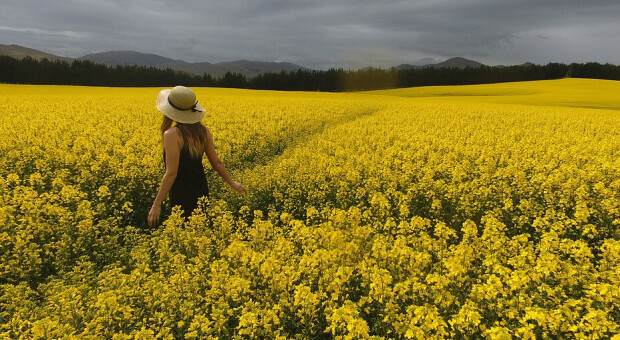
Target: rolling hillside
x,y
112,58
246,67
19,52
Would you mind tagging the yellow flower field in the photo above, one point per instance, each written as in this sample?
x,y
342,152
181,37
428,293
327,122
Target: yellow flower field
x,y
486,211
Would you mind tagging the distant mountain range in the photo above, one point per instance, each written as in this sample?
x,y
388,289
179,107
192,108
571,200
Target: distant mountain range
x,y
113,58
19,52
246,67
456,62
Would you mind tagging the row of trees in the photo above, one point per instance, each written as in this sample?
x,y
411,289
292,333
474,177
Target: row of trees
x,y
84,72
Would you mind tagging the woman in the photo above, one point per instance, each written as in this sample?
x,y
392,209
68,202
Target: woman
x,y
184,145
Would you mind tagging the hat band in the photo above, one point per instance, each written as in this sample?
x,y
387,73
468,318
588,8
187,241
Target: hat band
x,y
193,108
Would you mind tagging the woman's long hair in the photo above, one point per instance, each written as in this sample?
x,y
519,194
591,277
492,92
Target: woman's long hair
x,y
194,135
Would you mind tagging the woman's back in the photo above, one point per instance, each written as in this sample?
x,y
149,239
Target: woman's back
x,y
190,182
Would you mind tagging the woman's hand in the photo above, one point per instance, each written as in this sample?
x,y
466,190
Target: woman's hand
x,y
239,187
153,218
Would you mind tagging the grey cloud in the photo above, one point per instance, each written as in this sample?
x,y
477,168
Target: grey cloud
x,y
321,34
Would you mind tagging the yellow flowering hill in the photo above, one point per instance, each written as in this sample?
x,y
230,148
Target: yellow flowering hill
x,y
486,211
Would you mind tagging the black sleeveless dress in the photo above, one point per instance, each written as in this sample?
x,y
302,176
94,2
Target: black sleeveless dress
x,y
190,183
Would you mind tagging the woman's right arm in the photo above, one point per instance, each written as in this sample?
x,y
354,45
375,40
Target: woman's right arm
x,y
171,145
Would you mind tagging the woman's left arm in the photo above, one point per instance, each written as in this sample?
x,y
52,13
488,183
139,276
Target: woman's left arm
x,y
218,165
171,145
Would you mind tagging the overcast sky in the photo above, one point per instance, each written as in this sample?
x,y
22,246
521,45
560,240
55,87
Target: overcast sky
x,y
322,34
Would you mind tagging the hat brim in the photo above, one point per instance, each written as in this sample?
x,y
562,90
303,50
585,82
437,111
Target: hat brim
x,y
185,117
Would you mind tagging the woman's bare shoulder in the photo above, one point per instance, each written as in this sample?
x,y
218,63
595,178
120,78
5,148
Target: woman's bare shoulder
x,y
172,132
173,135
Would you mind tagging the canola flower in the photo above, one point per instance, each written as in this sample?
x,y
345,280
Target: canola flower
x,y
486,211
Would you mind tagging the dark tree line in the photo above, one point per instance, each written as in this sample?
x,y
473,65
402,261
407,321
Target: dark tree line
x,y
373,79
84,72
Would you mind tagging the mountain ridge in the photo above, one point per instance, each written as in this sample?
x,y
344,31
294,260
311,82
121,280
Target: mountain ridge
x,y
113,58
19,52
248,68
455,62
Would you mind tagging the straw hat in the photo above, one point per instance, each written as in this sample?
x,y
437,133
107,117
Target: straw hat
x,y
180,105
